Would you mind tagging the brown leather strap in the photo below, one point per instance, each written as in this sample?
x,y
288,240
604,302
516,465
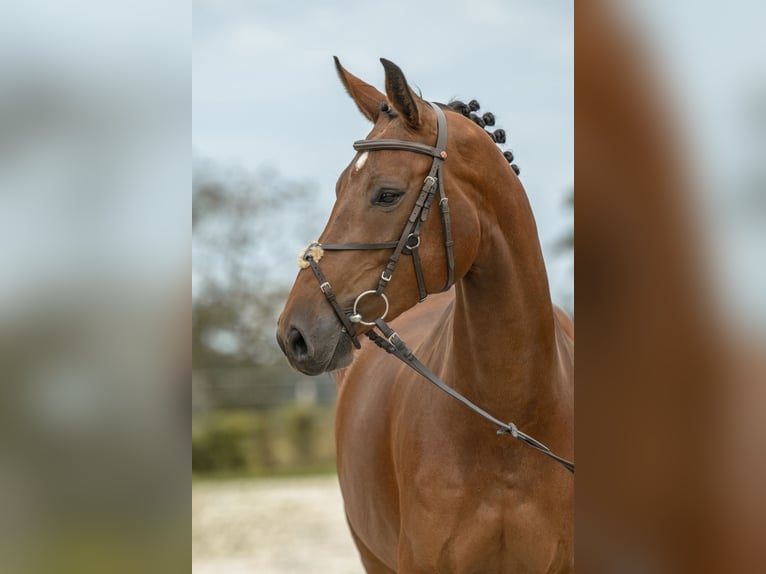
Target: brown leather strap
x,y
422,293
357,246
400,145
409,228
447,230
326,288
392,343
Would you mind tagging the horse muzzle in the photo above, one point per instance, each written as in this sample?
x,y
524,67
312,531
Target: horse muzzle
x,y
314,347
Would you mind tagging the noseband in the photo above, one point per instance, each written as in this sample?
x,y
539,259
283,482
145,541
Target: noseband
x,y
408,244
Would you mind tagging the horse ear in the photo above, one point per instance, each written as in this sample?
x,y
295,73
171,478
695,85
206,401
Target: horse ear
x,y
400,95
365,96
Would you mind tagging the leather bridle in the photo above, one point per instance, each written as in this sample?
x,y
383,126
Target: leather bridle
x,y
409,244
409,241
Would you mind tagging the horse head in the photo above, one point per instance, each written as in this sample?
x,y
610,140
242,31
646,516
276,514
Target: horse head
x,y
377,196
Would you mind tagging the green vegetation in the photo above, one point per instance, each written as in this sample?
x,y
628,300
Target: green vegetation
x,y
252,414
290,439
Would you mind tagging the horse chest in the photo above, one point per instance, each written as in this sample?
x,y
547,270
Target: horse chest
x,y
433,520
440,502
476,527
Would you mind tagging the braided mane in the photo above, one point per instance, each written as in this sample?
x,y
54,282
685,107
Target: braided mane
x,y
487,119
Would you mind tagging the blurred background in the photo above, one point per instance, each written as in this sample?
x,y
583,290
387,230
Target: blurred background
x,y
272,130
98,323
671,276
95,106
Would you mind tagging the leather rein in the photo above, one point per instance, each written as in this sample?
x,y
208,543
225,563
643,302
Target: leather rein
x,y
408,244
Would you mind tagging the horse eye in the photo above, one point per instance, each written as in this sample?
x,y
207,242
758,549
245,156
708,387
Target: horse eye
x,y
387,197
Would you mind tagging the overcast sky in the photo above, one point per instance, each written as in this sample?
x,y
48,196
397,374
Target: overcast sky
x,y
265,92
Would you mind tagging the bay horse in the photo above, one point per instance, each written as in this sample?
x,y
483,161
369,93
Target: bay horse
x,y
427,485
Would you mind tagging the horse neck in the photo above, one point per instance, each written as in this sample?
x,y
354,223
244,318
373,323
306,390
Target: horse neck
x,y
504,339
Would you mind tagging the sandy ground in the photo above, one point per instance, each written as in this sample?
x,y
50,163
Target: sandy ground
x,y
271,527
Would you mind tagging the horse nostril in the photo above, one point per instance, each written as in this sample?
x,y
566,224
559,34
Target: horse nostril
x,y
297,343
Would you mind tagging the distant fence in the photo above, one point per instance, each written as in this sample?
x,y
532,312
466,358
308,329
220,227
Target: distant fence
x,y
260,387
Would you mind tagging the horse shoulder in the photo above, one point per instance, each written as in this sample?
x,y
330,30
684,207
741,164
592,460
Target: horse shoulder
x,y
372,393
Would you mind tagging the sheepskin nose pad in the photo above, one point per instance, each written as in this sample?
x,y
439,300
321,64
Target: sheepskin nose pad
x,y
312,251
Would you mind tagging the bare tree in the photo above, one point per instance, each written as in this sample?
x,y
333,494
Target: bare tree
x,y
243,223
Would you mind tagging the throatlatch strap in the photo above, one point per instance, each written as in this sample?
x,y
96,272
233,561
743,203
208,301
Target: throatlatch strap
x,y
422,293
447,229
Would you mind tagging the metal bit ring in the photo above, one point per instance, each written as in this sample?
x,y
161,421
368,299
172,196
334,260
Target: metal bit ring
x,y
356,317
